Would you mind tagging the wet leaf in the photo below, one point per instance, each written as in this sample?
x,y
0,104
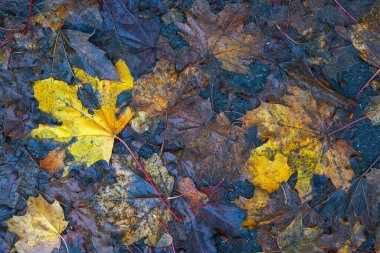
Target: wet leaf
x,y
90,129
297,239
157,92
221,35
40,228
54,161
296,130
268,175
132,205
55,13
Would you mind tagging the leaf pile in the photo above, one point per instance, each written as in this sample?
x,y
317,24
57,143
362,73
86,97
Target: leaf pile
x,y
189,126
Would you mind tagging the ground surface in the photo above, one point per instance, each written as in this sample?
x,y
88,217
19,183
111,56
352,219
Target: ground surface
x,y
189,125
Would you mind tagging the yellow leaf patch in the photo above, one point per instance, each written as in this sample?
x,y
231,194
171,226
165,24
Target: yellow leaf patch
x,y
294,130
93,129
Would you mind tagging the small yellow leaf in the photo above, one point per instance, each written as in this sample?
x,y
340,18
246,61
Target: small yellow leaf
x,y
92,130
268,174
40,228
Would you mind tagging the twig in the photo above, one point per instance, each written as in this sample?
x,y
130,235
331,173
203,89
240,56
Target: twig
x,y
353,122
29,15
346,11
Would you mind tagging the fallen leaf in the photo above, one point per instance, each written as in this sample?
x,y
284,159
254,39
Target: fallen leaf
x,y
188,190
295,130
54,161
345,238
157,92
55,13
40,228
298,239
221,35
86,55
267,174
365,36
130,34
91,129
132,205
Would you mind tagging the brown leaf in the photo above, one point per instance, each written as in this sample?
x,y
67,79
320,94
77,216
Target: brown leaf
x,y
54,161
196,198
366,37
221,35
158,91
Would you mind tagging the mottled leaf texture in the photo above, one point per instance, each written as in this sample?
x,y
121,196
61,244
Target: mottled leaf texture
x,y
132,205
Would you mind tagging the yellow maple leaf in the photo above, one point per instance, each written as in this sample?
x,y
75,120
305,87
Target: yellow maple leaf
x,y
40,228
294,129
93,129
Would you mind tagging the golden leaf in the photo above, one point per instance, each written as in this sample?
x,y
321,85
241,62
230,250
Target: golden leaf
x,y
268,174
40,228
132,205
294,130
93,128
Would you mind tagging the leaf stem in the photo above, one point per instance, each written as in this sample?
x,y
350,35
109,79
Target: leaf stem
x,y
29,15
166,230
346,11
64,242
147,177
353,122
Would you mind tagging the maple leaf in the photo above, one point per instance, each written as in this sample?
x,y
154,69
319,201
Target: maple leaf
x,y
221,35
92,129
294,130
132,205
157,92
40,228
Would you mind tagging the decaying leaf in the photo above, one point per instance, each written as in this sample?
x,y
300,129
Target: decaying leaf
x,y
54,161
221,35
132,205
55,13
158,91
188,190
298,239
295,130
366,37
91,125
40,228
